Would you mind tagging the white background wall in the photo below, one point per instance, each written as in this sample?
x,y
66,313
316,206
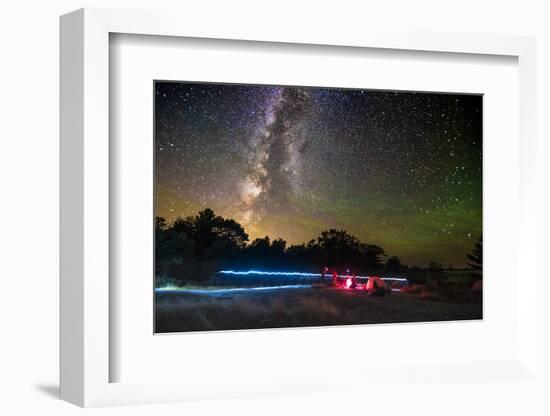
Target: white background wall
x,y
29,185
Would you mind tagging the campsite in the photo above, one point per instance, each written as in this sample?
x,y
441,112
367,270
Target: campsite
x,y
256,299
208,281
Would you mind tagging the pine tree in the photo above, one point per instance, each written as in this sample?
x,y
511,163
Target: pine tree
x,y
476,257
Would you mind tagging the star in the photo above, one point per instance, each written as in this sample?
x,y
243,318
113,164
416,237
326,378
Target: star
x,y
397,169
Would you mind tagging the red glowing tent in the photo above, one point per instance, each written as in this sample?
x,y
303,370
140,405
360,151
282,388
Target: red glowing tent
x,y
376,286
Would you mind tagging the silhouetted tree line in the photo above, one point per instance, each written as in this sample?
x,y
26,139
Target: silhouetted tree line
x,y
194,248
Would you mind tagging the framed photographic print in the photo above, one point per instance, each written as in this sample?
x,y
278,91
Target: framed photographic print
x,y
259,213
285,206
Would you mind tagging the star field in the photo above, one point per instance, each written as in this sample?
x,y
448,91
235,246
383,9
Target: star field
x,y
398,169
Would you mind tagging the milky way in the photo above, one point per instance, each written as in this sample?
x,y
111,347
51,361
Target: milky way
x,y
398,169
273,156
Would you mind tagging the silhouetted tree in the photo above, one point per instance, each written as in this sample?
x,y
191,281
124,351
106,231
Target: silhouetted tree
x,y
160,224
258,251
299,256
261,244
374,256
209,232
393,264
476,257
264,252
171,246
278,247
337,248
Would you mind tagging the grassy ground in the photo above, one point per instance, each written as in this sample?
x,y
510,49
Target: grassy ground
x,y
178,312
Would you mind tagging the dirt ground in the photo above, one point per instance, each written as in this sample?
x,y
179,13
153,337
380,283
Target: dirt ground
x,y
180,312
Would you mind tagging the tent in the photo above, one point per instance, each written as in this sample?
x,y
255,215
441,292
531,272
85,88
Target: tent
x,y
376,286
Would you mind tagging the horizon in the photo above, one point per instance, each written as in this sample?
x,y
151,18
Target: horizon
x,y
289,244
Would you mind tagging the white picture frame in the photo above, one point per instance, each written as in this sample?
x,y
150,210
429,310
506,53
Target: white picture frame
x,y
85,165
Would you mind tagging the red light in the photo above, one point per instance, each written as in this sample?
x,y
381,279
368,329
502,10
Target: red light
x,y
348,282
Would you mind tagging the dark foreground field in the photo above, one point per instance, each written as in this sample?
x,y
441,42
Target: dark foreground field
x,y
181,311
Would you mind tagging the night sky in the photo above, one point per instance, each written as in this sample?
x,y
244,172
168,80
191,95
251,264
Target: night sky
x,y
398,169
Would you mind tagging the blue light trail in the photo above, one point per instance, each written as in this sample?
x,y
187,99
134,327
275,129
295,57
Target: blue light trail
x,y
302,274
171,289
268,273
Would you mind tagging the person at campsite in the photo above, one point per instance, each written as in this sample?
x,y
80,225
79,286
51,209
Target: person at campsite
x,y
334,278
325,271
